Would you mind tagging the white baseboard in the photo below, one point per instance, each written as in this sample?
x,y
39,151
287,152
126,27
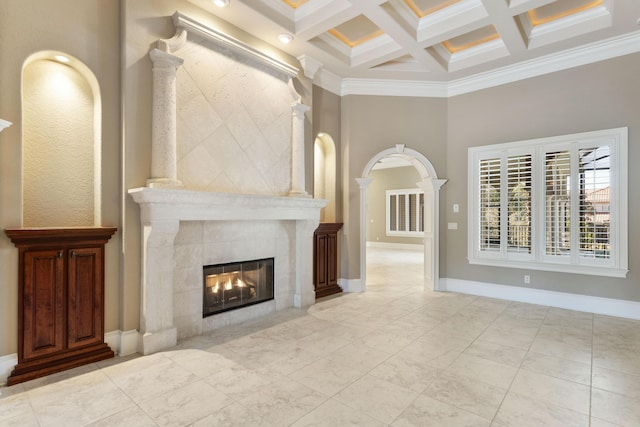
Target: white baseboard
x,y
123,343
388,245
586,303
351,285
6,366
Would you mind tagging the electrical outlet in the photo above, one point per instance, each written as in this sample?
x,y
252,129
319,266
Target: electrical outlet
x,y
527,279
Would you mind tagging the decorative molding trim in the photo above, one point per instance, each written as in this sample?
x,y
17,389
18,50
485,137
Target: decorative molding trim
x,y
123,343
328,81
577,302
310,65
351,86
599,51
4,124
191,25
7,363
351,285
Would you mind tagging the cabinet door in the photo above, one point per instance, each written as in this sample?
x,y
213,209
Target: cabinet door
x,y
85,300
332,259
321,261
43,303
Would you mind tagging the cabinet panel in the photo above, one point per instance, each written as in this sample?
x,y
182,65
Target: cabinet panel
x,y
321,261
43,310
325,252
332,259
60,299
84,320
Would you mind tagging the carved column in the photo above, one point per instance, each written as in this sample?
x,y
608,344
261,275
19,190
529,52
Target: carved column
x,y
297,149
164,167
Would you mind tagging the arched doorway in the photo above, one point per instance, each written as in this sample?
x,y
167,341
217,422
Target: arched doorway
x,y
430,184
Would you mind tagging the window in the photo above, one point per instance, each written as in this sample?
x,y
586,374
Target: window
x,y
405,212
557,204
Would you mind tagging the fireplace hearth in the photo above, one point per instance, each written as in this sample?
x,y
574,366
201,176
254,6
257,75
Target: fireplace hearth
x,y
238,284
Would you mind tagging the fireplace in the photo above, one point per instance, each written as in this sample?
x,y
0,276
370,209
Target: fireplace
x,y
238,284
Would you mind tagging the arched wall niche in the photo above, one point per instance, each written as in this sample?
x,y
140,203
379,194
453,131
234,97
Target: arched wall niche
x,y
430,185
324,175
61,142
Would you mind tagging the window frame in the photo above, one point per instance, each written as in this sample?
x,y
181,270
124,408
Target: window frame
x,y
419,219
614,266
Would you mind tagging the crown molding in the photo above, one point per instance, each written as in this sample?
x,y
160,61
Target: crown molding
x,y
570,58
394,88
594,52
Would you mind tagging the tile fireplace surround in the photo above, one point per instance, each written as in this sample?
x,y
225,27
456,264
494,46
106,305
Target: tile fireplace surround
x,y
184,230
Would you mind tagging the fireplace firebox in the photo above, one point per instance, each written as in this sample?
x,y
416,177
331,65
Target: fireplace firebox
x,y
237,284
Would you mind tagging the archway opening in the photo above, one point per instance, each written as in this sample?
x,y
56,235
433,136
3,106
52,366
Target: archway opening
x,y
430,186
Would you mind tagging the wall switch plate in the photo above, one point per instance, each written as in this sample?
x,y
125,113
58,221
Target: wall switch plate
x,y
456,208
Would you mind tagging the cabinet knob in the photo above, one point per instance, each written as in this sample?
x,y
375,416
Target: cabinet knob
x,y
59,254
73,254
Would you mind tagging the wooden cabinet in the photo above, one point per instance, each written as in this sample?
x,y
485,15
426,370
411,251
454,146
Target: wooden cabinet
x,y
325,259
60,299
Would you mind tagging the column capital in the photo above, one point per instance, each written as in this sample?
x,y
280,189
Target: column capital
x,y
363,182
298,109
161,58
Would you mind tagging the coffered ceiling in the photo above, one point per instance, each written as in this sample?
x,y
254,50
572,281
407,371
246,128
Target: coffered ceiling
x,y
437,47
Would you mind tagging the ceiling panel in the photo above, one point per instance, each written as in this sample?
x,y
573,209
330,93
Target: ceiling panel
x,y
431,40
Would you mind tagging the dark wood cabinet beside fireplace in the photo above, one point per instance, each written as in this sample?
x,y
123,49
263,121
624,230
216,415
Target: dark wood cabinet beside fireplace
x,y
325,259
60,299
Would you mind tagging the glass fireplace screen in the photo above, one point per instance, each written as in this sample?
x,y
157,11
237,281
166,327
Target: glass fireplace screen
x,y
238,284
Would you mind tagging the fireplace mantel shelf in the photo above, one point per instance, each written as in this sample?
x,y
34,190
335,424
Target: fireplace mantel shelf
x,y
165,204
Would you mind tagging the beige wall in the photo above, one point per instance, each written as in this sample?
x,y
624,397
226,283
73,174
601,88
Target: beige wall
x,y
382,180
326,115
89,31
598,96
371,124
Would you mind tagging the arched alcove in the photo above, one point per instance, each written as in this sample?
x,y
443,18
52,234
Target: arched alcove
x,y
324,175
430,185
61,142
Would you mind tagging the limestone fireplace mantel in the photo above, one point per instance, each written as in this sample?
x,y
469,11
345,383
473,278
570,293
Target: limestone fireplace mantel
x,y
161,212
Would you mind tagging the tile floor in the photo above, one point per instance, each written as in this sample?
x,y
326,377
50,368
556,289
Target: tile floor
x,y
391,356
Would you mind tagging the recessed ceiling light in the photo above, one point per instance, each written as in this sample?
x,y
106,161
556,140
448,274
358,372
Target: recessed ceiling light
x,y
61,58
285,38
221,3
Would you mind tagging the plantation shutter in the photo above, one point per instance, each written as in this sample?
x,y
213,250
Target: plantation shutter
x,y
519,206
594,202
558,203
490,204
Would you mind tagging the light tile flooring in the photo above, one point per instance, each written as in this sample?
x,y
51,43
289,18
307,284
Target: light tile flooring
x,y
391,356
